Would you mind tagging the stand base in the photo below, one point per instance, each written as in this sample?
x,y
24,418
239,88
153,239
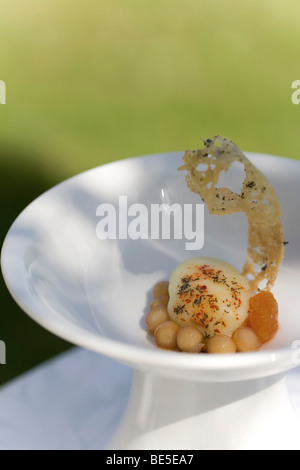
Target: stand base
x,y
170,414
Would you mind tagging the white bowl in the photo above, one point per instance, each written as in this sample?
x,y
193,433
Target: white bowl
x,y
95,293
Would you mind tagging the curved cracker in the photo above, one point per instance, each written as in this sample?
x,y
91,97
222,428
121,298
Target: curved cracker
x,y
257,199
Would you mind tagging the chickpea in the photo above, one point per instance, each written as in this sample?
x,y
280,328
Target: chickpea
x,y
161,289
220,344
246,339
156,316
190,339
166,335
164,300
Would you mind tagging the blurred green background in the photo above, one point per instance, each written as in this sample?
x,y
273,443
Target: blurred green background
x,y
89,82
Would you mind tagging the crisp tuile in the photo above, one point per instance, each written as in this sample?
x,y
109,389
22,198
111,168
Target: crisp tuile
x,y
257,199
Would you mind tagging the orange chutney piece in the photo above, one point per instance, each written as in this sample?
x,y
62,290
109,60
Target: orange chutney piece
x,y
263,315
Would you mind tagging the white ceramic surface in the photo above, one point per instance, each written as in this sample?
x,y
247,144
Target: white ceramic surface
x,y
96,293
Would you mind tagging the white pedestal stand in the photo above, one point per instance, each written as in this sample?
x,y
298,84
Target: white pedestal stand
x,y
172,414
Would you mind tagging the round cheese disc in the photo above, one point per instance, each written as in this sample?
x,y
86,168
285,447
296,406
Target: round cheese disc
x,y
210,294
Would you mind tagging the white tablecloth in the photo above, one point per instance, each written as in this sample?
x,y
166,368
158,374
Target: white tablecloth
x,y
74,402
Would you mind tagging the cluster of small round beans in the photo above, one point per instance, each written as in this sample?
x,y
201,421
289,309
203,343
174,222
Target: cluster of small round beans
x,y
169,335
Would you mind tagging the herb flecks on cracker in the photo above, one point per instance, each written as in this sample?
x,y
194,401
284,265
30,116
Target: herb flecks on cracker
x,y
257,199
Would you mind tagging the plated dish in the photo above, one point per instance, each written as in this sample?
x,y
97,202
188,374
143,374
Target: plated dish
x,y
66,279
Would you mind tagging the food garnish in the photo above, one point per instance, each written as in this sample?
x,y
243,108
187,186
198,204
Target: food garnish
x,y
257,199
